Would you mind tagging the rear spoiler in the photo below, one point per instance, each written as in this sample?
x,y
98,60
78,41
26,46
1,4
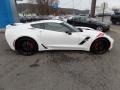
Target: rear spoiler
x,y
14,24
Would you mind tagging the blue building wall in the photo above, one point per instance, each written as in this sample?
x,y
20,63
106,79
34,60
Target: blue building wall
x,y
6,14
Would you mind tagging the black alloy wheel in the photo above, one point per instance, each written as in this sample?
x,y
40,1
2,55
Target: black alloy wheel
x,y
100,46
26,46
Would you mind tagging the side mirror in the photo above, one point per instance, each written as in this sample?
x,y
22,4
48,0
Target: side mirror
x,y
80,29
68,32
90,22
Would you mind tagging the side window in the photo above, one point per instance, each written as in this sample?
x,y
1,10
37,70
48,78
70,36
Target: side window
x,y
77,19
83,19
59,27
38,25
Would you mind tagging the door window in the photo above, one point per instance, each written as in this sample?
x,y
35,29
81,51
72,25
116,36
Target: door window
x,y
59,27
83,19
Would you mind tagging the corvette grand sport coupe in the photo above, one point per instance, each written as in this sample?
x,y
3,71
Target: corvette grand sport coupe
x,y
43,35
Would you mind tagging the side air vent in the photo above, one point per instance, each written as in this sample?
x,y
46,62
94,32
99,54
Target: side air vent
x,y
44,46
85,40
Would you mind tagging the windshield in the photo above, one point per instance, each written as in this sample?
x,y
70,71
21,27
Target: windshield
x,y
80,18
92,19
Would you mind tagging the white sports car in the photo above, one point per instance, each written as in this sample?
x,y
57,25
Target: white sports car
x,y
29,38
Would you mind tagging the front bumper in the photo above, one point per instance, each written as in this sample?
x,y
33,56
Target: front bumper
x,y
111,41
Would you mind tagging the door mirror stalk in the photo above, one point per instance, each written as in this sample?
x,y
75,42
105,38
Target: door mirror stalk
x,y
68,32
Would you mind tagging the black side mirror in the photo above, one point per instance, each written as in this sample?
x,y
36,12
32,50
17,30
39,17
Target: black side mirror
x,y
90,22
80,29
68,32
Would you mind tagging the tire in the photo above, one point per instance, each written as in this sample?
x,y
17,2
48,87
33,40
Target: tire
x,y
100,46
26,46
114,23
100,28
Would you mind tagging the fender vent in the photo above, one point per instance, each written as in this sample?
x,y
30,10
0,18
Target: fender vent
x,y
85,40
44,46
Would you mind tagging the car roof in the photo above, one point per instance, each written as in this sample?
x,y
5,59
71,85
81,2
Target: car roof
x,y
77,16
80,16
45,21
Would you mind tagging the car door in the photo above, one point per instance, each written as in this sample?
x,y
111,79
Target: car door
x,y
92,23
80,21
83,21
59,36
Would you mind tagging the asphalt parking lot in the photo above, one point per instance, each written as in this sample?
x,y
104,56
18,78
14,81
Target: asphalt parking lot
x,y
61,70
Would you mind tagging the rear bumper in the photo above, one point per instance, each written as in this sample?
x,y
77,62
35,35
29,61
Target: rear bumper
x,y
106,28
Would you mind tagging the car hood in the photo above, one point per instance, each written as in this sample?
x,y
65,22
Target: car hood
x,y
99,22
91,32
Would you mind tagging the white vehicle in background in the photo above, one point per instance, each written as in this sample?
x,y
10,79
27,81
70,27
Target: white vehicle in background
x,y
43,35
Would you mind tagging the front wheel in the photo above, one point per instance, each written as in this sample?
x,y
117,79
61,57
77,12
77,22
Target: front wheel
x,y
26,46
100,46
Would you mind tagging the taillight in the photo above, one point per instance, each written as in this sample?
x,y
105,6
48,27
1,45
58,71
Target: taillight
x,y
101,34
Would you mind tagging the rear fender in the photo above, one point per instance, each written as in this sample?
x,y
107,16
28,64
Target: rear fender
x,y
36,38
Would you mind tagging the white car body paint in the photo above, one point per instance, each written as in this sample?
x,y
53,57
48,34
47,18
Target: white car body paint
x,y
53,40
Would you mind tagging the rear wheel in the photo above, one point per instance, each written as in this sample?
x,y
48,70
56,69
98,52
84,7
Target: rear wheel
x,y
26,46
100,46
100,28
